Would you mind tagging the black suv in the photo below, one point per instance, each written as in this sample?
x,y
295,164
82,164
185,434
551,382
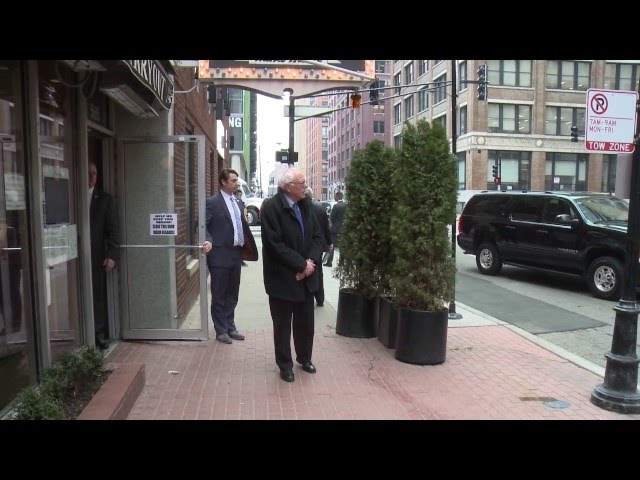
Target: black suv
x,y
574,233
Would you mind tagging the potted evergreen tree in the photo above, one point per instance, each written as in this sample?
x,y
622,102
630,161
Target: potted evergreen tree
x,y
423,275
361,250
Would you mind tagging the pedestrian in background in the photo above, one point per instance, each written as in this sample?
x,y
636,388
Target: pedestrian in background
x,y
337,214
228,234
291,251
322,218
105,241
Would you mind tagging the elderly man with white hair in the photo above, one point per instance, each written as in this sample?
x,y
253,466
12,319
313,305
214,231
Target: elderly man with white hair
x,y
292,248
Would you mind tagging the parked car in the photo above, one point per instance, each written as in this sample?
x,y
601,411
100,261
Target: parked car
x,y
252,203
329,204
572,233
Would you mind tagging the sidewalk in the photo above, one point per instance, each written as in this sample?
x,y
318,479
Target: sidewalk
x,y
492,371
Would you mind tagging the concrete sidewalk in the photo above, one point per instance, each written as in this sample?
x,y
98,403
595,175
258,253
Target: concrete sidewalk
x,y
492,371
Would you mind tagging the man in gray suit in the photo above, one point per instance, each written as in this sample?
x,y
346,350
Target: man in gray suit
x,y
229,240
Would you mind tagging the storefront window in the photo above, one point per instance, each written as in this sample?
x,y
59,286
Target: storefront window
x,y
17,365
59,208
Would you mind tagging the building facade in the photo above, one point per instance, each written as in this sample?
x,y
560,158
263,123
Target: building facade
x,y
524,124
152,134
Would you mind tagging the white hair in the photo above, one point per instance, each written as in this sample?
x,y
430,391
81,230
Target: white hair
x,y
308,192
287,177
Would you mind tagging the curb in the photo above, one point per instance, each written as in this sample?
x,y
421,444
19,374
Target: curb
x,y
118,394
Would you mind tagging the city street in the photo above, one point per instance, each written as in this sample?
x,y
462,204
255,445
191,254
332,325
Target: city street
x,y
558,309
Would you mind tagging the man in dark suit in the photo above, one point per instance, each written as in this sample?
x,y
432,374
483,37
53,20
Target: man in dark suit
x,y
291,250
228,235
337,214
320,212
104,252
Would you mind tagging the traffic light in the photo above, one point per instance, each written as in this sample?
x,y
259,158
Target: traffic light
x,y
373,93
482,82
355,100
574,133
496,173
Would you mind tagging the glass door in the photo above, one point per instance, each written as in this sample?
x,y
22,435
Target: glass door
x,y
162,219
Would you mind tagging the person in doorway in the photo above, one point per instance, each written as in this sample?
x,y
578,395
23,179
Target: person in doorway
x,y
337,214
320,212
104,252
291,250
238,196
228,234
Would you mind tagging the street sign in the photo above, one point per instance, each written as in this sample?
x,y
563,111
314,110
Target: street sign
x,y
610,121
308,111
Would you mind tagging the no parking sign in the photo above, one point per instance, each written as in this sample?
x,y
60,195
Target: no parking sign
x,y
610,123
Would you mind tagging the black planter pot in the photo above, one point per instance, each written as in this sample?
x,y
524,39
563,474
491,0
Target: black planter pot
x,y
421,336
387,322
355,315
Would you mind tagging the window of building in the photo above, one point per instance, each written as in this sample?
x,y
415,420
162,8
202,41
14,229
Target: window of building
x,y
396,83
506,118
397,141
325,131
423,99
436,62
378,126
462,170
440,89
408,73
380,64
396,114
236,101
609,163
442,120
566,171
559,120
462,120
568,75
622,76
515,169
462,75
423,67
408,107
509,73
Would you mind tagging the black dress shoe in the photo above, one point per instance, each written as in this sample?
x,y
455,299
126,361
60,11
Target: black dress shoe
x,y
287,375
224,338
235,335
320,304
309,367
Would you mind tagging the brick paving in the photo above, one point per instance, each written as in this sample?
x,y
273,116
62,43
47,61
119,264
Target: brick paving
x,y
490,373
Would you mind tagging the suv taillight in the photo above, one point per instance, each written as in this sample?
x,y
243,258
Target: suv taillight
x,y
460,218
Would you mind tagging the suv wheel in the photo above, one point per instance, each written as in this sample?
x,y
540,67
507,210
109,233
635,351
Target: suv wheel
x,y
605,277
252,216
488,259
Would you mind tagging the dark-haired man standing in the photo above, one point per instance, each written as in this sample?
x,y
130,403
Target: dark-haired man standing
x,y
228,233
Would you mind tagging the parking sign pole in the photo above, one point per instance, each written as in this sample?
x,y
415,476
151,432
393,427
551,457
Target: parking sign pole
x,y
453,315
619,391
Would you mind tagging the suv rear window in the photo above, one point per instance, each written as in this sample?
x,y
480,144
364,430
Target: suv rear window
x,y
486,205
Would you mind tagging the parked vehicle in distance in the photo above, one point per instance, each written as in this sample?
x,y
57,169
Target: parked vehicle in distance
x,y
329,204
581,234
252,203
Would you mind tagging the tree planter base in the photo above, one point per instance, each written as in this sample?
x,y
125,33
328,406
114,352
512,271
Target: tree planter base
x,y
355,315
421,336
387,322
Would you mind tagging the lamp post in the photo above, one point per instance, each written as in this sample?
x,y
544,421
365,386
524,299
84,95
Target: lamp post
x,y
453,315
619,391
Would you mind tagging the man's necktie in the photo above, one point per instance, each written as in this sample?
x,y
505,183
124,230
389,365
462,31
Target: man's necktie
x,y
296,209
238,222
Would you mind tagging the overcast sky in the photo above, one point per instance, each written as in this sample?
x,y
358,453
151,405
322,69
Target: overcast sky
x,y
273,127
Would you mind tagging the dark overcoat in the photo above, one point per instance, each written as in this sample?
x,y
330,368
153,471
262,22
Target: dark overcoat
x,y
285,250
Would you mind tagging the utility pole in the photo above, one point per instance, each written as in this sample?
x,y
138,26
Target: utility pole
x,y
292,115
453,315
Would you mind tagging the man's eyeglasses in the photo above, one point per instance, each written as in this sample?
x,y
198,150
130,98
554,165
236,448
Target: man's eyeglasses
x,y
298,183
